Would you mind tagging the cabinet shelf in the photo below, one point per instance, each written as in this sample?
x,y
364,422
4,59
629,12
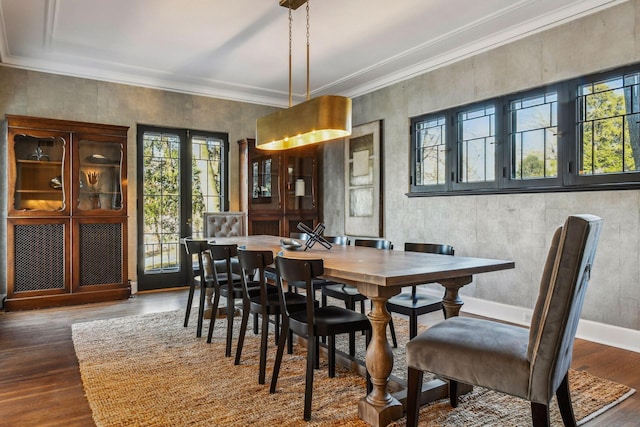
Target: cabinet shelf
x,y
42,163
22,191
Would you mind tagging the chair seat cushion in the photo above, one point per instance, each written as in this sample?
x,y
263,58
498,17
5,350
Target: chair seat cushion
x,y
295,302
342,291
331,320
415,302
475,351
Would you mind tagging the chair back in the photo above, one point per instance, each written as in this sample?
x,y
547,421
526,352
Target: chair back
x,y
374,243
299,273
250,261
200,248
222,254
430,248
557,311
338,240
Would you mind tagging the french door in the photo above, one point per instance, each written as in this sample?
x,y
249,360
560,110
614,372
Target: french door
x,y
181,175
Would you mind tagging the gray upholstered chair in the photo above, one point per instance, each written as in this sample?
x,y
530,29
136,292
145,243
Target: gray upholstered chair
x,y
532,363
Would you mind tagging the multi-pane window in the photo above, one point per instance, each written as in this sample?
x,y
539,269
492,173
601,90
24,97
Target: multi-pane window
x,y
608,130
430,151
476,144
533,135
574,135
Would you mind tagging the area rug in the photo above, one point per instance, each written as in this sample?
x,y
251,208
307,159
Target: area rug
x,y
149,370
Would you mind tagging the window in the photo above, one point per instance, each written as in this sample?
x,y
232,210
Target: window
x,y
575,135
476,144
430,150
608,125
533,136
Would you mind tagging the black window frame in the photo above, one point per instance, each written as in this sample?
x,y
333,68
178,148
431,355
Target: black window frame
x,y
568,177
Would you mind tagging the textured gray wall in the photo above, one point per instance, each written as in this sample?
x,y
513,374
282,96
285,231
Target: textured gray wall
x,y
37,94
514,227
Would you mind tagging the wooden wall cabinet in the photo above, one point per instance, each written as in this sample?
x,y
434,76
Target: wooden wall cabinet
x,y
279,189
66,213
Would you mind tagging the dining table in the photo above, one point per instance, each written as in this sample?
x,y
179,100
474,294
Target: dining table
x,y
380,275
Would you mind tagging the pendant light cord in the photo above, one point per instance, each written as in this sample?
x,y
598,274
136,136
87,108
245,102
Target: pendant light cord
x,y
308,26
290,38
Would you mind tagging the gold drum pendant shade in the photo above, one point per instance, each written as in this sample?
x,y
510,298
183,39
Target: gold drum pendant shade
x,y
319,119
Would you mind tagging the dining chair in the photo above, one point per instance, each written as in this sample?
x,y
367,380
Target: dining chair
x,y
414,304
533,363
199,275
227,285
350,294
265,302
313,322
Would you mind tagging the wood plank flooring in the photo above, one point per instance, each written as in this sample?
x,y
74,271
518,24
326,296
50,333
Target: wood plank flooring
x,y
40,382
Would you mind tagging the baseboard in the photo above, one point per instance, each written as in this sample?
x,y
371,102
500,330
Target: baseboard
x,y
615,336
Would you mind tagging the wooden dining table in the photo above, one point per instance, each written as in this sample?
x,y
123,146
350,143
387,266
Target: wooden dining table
x,y
380,275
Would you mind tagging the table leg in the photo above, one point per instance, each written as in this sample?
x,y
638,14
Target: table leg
x,y
451,302
379,407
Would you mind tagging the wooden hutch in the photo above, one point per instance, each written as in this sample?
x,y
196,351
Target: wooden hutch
x,y
66,212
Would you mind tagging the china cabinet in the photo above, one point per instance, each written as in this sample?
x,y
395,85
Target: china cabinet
x,y
279,189
66,212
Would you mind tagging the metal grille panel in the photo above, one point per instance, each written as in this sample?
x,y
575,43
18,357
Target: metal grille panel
x,y
39,257
100,254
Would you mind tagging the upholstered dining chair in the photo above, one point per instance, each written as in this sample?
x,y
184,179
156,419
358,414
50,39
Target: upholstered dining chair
x,y
266,302
414,304
199,276
227,285
350,294
313,322
531,364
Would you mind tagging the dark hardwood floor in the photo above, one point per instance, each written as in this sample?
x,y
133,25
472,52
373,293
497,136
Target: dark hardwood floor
x,y
40,382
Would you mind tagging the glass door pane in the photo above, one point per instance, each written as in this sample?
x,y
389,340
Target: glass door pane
x,y
160,206
207,172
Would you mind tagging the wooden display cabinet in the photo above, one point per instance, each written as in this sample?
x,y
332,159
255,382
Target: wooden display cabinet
x,y
66,213
279,189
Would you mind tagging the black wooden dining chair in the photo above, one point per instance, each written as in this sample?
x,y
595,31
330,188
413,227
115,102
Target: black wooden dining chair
x,y
350,294
313,322
199,275
265,302
415,304
226,284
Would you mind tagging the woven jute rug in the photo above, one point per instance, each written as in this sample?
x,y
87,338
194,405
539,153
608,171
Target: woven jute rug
x,y
149,370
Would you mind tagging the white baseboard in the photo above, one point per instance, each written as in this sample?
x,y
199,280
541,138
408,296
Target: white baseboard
x,y
615,336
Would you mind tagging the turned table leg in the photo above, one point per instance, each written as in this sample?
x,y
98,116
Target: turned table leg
x,y
379,407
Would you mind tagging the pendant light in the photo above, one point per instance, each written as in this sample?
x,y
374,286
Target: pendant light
x,y
315,120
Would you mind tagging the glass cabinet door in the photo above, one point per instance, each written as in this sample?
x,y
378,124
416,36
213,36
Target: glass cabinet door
x,y
300,181
99,180
264,190
38,173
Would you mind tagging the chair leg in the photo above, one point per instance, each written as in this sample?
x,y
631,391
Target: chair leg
x,y
414,384
255,323
316,356
540,415
564,402
454,392
243,331
264,342
214,310
392,328
276,365
276,321
230,312
203,292
312,344
413,326
192,288
332,356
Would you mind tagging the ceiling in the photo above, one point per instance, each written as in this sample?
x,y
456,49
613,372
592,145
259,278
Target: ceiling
x,y
238,49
